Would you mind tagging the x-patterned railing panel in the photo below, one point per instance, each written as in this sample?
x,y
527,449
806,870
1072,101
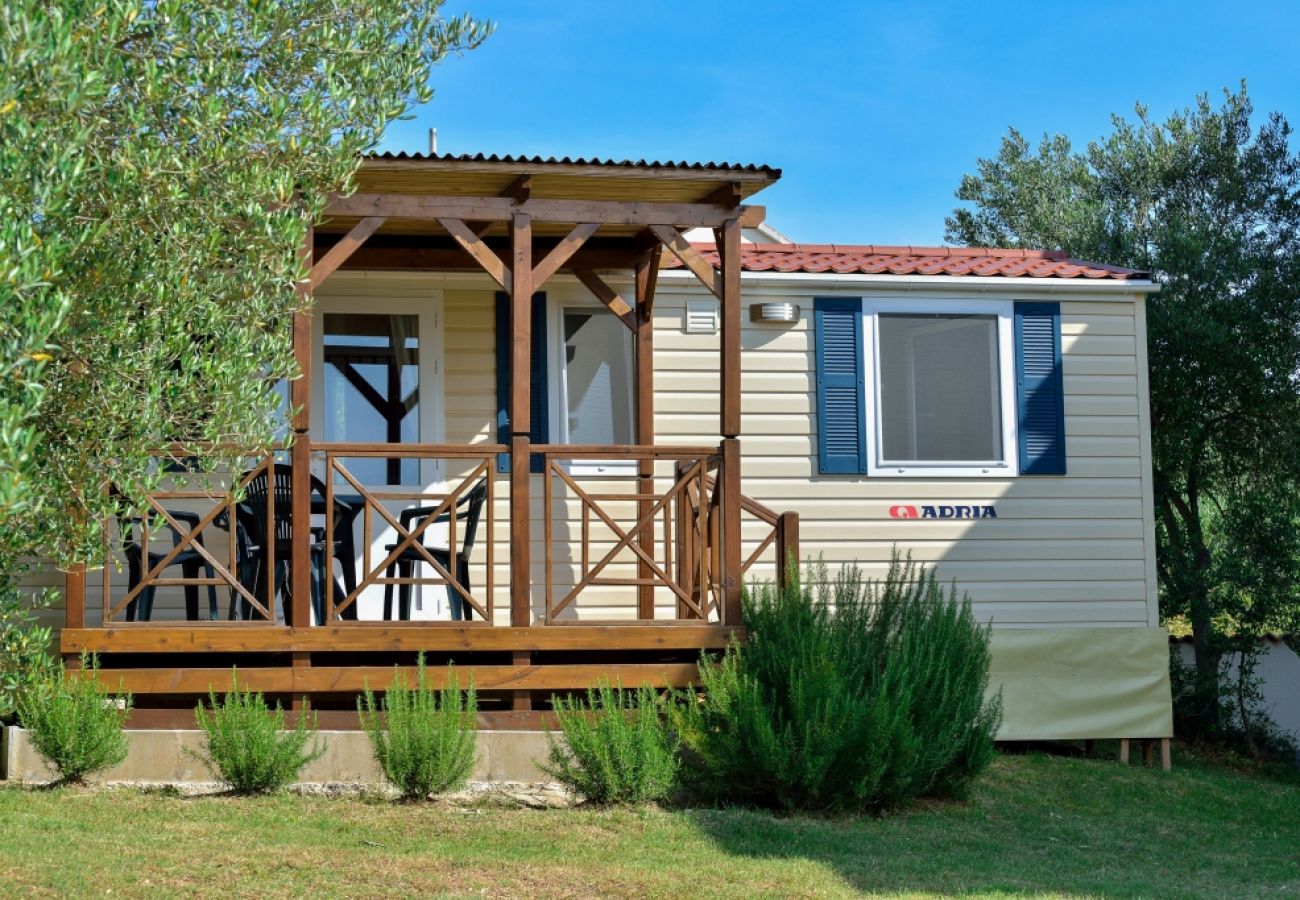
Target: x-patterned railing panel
x,y
137,532
669,519
408,541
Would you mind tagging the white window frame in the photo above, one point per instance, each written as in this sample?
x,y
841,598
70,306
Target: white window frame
x,y
1008,466
557,302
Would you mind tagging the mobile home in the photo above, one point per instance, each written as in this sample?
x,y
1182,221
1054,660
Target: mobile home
x,y
545,434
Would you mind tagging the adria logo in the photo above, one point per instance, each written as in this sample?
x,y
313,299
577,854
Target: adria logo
x,y
942,512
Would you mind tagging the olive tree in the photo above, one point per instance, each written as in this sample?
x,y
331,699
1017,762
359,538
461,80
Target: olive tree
x,y
160,164
1210,205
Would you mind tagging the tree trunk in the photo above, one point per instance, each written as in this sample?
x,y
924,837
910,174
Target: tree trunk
x,y
1199,610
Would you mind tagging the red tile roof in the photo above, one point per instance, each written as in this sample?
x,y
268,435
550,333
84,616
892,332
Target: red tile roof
x,y
841,259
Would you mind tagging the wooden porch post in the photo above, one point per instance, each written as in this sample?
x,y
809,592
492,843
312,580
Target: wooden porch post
x,y
74,606
647,276
787,546
729,253
299,615
521,423
521,302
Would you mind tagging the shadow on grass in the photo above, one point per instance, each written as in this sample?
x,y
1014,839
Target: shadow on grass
x,y
904,852
1037,824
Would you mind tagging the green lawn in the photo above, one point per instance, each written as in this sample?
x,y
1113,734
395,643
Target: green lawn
x,y
1035,825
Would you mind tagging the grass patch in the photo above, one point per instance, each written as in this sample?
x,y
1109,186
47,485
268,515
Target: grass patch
x,y
1033,825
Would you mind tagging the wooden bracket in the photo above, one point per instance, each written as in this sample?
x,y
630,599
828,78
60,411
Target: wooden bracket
x,y
675,241
726,196
561,253
608,296
339,253
474,246
520,189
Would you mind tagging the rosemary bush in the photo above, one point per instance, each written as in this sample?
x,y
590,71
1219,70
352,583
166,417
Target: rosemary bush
x,y
425,739
854,696
248,746
616,748
73,722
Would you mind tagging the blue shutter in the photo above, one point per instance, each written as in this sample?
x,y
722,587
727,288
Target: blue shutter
x,y
1040,395
841,385
541,424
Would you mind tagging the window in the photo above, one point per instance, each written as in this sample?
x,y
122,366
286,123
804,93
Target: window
x,y
596,393
372,389
943,401
954,388
940,400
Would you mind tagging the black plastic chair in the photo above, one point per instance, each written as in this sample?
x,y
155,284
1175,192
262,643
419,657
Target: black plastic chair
x,y
468,509
248,559
276,487
190,561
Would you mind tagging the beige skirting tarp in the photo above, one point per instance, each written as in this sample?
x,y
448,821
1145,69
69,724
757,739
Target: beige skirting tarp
x,y
1069,684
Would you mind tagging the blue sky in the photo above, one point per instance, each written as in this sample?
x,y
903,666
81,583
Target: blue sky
x,y
873,110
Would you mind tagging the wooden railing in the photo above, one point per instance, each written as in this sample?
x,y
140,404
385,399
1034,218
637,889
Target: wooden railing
x,y
193,524
408,549
649,539
783,537
653,523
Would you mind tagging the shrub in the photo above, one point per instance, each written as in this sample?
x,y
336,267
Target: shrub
x,y
616,748
856,696
247,745
25,657
425,740
73,722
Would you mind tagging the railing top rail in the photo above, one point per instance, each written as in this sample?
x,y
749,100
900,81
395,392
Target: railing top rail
x,y
623,451
457,451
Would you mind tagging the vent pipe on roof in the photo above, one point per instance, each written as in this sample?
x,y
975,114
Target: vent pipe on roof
x,y
433,142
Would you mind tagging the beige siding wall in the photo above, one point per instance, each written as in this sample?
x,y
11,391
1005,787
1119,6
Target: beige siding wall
x,y
1063,551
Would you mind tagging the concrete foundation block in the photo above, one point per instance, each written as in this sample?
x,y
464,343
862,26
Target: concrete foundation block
x,y
161,757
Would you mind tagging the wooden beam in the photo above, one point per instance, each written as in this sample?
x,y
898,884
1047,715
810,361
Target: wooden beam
x,y
171,719
730,297
351,679
562,253
521,318
502,209
74,607
787,547
434,259
608,296
728,195
198,638
347,245
730,532
299,613
647,278
520,189
481,252
480,228
675,241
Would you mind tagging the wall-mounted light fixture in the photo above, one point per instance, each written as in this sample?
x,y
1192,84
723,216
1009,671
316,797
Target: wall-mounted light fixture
x,y
776,313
